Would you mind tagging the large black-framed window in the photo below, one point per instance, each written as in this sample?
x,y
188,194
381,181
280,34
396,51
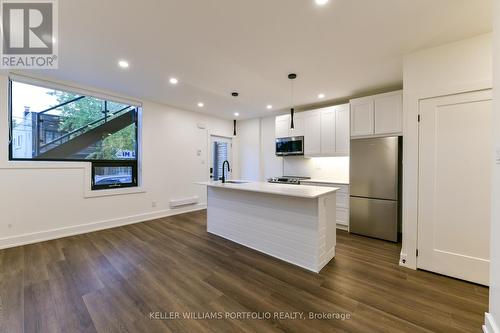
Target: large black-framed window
x,y
62,125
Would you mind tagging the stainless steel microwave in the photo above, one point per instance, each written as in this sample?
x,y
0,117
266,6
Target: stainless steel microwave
x,y
290,146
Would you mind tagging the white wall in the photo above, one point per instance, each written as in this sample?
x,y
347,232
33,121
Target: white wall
x,y
272,165
453,68
42,200
320,168
493,319
248,155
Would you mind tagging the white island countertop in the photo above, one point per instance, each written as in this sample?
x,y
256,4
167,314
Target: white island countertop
x,y
301,191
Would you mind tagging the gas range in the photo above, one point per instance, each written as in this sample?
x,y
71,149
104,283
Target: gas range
x,y
287,180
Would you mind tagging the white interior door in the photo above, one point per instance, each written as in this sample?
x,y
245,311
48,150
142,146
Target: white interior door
x,y
455,151
220,151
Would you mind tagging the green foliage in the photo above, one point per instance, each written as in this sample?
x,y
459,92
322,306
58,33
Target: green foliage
x,y
87,110
112,144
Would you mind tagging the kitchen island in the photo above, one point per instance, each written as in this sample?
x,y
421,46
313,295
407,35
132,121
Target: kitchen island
x,y
295,223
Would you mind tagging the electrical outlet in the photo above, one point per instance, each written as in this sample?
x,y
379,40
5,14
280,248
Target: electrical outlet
x,y
403,259
153,204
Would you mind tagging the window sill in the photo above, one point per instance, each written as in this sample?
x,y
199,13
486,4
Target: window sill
x,y
112,192
19,164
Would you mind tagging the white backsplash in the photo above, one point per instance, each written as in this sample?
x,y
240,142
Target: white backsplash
x,y
328,168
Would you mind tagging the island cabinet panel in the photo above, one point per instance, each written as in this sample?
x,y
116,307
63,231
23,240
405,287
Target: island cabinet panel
x,y
298,230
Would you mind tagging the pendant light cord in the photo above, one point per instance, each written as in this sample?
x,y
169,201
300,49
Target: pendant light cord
x,y
292,110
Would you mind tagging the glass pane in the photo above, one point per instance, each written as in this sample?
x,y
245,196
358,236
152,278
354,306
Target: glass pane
x,y
59,125
220,155
113,176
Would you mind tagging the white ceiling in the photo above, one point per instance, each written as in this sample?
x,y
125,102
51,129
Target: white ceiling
x,y
216,46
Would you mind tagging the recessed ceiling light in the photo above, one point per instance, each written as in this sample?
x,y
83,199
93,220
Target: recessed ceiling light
x,y
123,64
173,80
269,106
321,96
321,2
236,114
200,105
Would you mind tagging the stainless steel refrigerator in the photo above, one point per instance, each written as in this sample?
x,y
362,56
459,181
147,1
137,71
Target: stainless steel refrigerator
x,y
374,187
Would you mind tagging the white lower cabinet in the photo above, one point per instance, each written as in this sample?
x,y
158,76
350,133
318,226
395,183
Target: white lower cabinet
x,y
342,202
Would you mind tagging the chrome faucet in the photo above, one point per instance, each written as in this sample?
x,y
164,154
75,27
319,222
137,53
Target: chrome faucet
x,y
228,170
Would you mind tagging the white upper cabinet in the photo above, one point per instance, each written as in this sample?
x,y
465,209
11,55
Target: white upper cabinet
x,y
283,123
312,133
362,117
298,122
342,137
282,126
328,131
389,114
377,115
325,131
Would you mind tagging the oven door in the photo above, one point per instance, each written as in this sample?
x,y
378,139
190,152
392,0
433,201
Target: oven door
x,y
290,146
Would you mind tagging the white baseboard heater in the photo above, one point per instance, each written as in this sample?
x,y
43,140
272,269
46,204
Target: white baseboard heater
x,y
184,202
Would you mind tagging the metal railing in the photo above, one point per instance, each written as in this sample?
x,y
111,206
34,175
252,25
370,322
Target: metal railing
x,y
42,148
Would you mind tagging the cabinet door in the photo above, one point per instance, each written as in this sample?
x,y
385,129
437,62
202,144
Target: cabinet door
x,y
342,137
312,133
298,122
362,122
389,114
328,131
282,126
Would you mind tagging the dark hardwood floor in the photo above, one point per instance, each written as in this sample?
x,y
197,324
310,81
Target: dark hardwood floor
x,y
115,280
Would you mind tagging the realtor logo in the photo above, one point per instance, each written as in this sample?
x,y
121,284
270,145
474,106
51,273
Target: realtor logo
x,y
29,34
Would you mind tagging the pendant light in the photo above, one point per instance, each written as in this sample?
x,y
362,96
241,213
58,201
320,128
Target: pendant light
x,y
234,94
291,77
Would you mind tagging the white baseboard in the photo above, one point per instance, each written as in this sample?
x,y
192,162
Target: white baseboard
x,y
490,325
95,226
342,227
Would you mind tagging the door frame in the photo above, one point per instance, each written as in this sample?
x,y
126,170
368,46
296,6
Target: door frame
x,y
209,151
411,101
